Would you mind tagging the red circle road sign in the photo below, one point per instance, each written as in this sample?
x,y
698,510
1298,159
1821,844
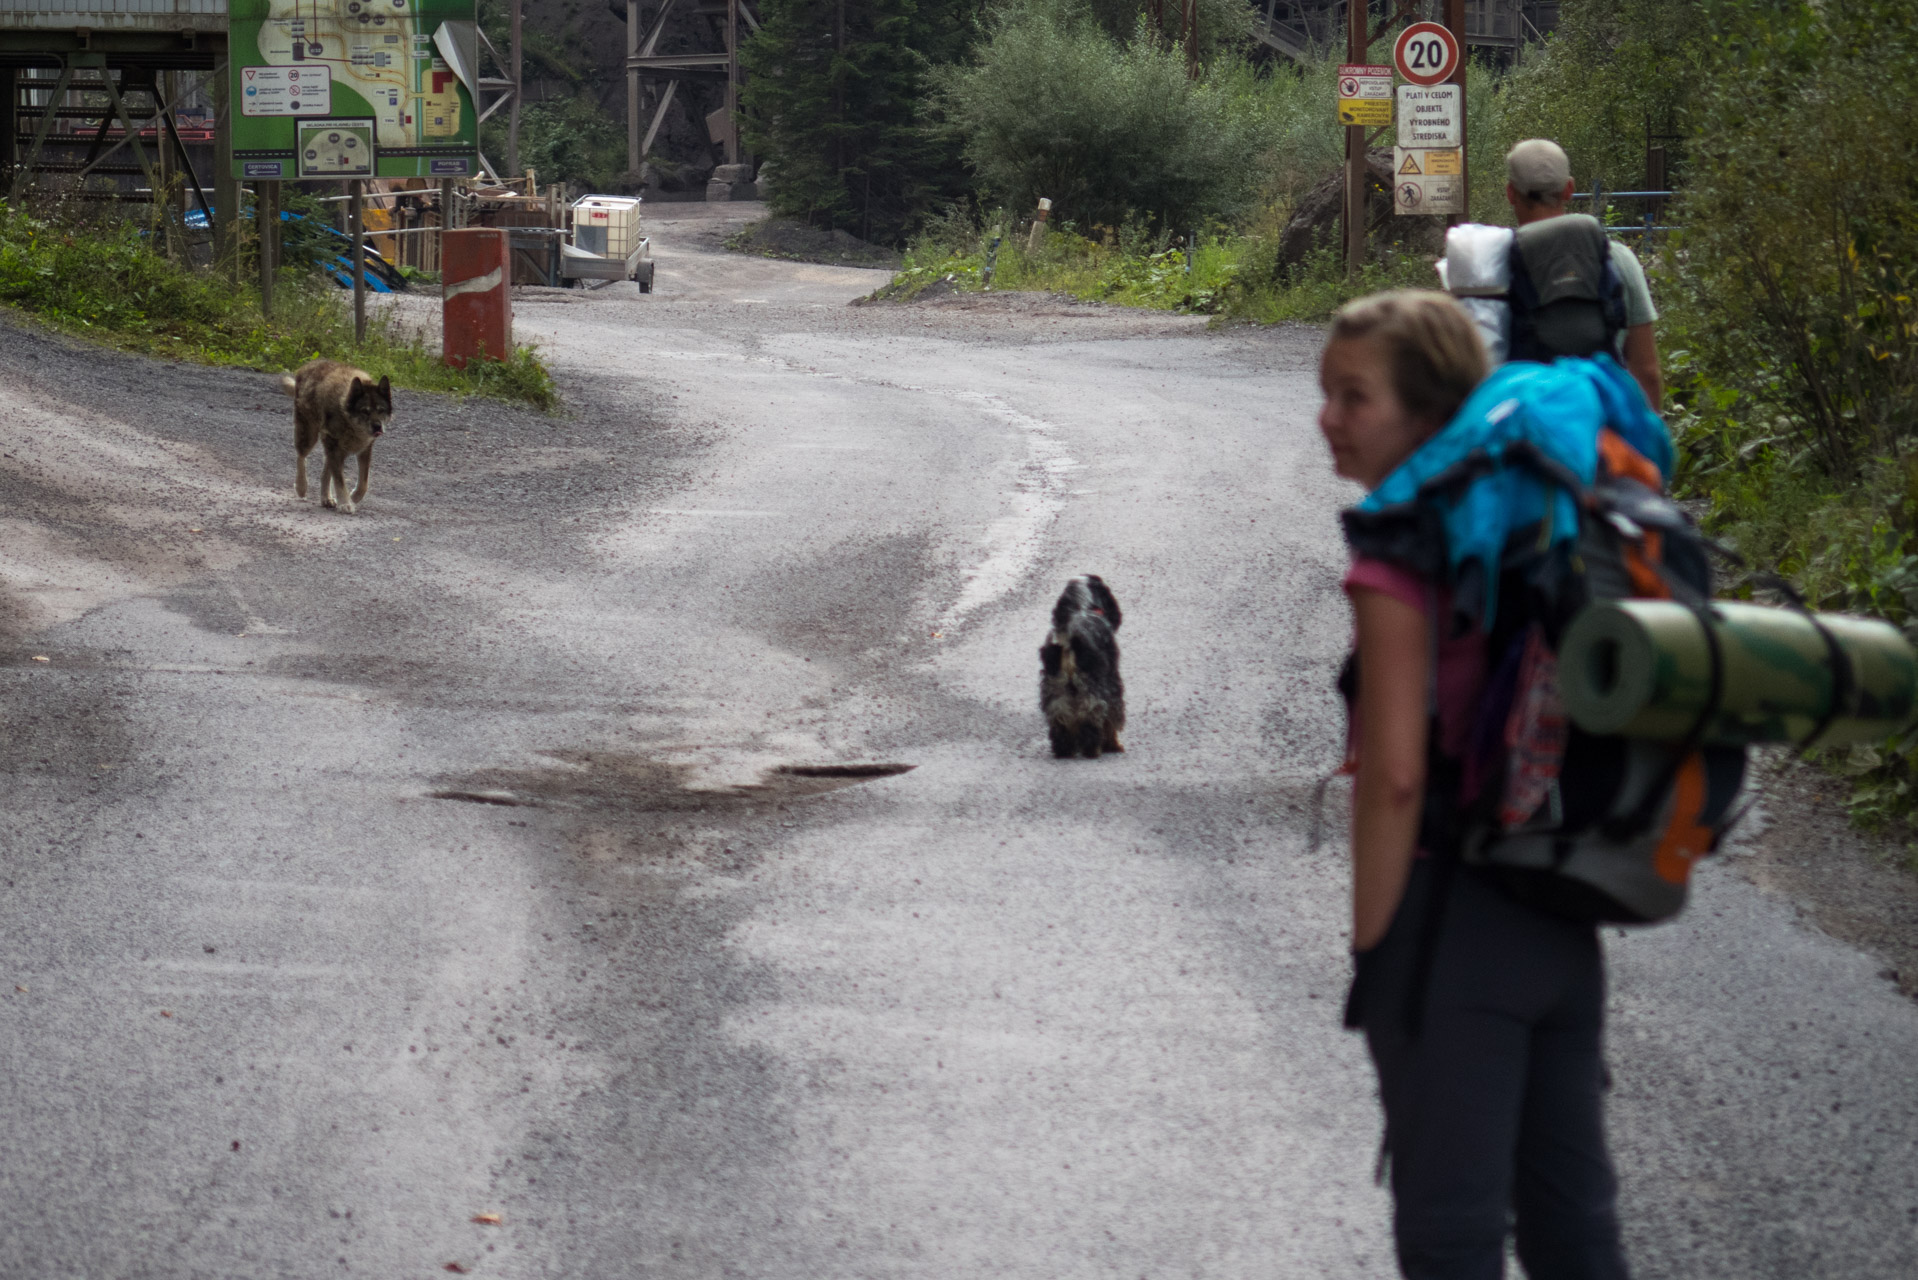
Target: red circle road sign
x,y
1426,53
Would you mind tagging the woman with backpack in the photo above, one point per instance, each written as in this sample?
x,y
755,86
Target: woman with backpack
x,y
1483,1015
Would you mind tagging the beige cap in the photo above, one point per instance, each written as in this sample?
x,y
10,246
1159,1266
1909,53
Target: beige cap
x,y
1538,168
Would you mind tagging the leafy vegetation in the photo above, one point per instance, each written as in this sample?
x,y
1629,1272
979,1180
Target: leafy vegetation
x,y
1055,107
1230,276
567,140
1794,361
106,282
836,102
572,128
1125,267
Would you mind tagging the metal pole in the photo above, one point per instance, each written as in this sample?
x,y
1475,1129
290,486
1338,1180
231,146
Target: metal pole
x,y
1455,21
226,187
633,157
192,177
659,116
266,215
355,211
732,81
9,125
160,88
512,110
1355,43
155,189
446,223
56,98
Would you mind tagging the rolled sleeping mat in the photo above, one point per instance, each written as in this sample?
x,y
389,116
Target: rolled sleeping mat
x,y
1643,669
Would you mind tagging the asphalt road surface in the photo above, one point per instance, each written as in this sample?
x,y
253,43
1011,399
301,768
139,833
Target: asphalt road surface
x,y
637,824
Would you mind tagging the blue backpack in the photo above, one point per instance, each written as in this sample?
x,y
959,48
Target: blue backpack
x,y
1545,492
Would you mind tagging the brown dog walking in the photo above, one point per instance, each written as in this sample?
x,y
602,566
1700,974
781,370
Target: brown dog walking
x,y
343,409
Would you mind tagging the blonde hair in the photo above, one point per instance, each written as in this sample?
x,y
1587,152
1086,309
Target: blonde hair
x,y
1432,347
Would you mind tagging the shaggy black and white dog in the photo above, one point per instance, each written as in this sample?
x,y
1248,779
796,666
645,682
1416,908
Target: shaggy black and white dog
x,y
1079,686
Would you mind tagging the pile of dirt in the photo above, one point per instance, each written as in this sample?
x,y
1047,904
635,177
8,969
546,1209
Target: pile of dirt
x,y
1317,219
797,241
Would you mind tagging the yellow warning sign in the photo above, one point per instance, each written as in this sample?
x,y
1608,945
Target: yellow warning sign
x,y
1365,111
1411,163
1443,162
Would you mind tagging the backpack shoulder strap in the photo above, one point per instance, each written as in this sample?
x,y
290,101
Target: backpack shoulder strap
x,y
1614,300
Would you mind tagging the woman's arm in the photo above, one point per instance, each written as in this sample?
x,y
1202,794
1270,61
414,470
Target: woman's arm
x,y
1394,682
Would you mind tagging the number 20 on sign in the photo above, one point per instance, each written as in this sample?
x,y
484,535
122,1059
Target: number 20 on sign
x,y
1426,53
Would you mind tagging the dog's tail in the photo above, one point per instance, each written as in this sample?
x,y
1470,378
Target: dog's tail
x,y
287,384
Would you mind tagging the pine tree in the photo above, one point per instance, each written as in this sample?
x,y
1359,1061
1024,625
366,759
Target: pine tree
x,y
835,100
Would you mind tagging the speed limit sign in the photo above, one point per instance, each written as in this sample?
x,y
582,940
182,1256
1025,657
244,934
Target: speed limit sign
x,y
1426,53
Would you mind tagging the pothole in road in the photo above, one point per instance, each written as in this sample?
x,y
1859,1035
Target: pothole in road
x,y
856,772
481,797
638,784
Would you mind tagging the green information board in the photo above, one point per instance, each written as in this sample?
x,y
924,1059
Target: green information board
x,y
354,88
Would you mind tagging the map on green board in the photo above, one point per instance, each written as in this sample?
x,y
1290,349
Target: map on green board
x,y
316,82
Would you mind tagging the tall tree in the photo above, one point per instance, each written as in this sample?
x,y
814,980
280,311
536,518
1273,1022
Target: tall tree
x,y
836,101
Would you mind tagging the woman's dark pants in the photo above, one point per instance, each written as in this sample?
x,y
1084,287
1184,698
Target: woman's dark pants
x,y
1493,1111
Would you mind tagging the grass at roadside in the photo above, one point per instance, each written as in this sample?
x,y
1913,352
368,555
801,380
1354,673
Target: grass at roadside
x,y
1229,275
1066,263
106,284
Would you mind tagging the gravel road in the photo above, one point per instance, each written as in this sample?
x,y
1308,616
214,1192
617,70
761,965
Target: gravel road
x,y
636,823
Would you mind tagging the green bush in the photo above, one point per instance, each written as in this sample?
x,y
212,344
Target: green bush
x,y
1790,322
1055,107
836,102
1802,248
1320,285
1223,24
566,140
1608,67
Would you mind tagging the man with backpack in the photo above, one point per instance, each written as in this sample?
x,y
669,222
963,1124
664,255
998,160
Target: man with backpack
x,y
1575,290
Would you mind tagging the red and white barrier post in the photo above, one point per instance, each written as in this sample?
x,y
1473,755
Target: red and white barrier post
x,y
476,274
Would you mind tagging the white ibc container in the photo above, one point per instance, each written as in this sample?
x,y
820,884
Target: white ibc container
x,y
606,225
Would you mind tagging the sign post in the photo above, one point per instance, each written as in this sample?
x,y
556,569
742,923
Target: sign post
x,y
1428,166
356,216
1455,22
1355,47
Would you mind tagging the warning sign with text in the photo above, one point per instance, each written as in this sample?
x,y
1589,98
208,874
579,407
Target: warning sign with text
x,y
1431,115
1440,162
1428,181
1365,95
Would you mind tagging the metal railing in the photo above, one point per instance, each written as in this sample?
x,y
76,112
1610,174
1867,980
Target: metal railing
x,y
1654,205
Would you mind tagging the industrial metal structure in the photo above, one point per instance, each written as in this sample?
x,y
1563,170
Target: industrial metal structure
x,y
655,75
92,95
1306,29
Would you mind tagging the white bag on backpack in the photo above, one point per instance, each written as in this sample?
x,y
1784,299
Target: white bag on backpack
x,y
1477,270
1493,316
1478,261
